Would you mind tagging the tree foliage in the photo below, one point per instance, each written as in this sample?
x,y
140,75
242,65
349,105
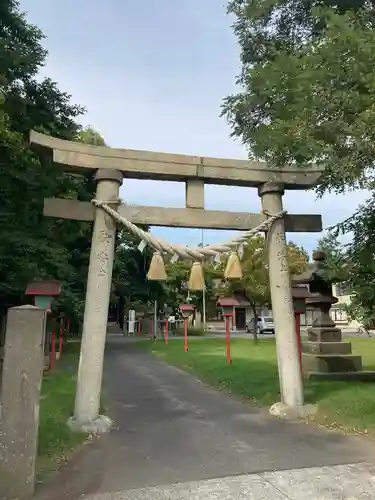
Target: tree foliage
x,y
360,258
265,28
307,98
307,87
254,285
131,288
89,135
336,264
33,247
352,264
176,287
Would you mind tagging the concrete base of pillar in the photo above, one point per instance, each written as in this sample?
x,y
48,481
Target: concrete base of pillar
x,y
292,412
100,425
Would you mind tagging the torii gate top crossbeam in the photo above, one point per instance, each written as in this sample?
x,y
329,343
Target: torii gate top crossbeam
x,y
172,167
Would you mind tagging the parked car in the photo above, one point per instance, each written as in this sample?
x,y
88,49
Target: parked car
x,y
262,324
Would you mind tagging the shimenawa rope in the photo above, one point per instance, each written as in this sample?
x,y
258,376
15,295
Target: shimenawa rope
x,y
197,254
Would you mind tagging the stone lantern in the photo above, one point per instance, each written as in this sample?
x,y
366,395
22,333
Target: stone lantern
x,y
300,293
227,309
324,354
44,292
186,311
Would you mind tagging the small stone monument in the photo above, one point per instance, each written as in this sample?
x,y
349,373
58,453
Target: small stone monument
x,y
324,354
20,396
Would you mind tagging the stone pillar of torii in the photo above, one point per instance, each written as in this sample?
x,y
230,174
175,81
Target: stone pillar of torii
x,y
109,166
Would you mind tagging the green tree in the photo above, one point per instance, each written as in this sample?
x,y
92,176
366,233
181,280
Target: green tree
x,y
266,28
75,239
337,266
131,287
360,255
307,98
254,285
89,135
36,247
17,244
31,246
177,286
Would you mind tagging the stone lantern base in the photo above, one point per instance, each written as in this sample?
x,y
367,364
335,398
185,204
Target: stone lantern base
x,y
326,356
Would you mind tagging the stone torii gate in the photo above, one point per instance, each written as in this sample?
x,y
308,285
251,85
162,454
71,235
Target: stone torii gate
x,y
110,166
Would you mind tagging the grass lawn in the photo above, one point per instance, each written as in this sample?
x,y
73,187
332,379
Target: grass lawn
x,y
58,390
348,406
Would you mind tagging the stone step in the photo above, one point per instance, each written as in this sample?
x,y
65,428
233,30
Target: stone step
x,y
322,334
360,376
327,347
331,363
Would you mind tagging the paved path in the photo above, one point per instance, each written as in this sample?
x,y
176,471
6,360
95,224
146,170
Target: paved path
x,y
173,430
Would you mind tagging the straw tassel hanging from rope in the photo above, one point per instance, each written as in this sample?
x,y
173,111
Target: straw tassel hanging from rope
x,y
196,280
156,270
233,269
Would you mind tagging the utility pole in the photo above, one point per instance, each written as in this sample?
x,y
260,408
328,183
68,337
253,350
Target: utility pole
x,y
204,294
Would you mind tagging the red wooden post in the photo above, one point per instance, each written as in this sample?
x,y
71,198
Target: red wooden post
x,y
227,331
166,331
61,336
186,347
298,331
53,351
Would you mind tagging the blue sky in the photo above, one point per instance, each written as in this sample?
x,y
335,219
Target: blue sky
x,y
152,76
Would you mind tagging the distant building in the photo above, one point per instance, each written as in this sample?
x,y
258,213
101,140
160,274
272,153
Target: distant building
x,y
338,310
242,310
